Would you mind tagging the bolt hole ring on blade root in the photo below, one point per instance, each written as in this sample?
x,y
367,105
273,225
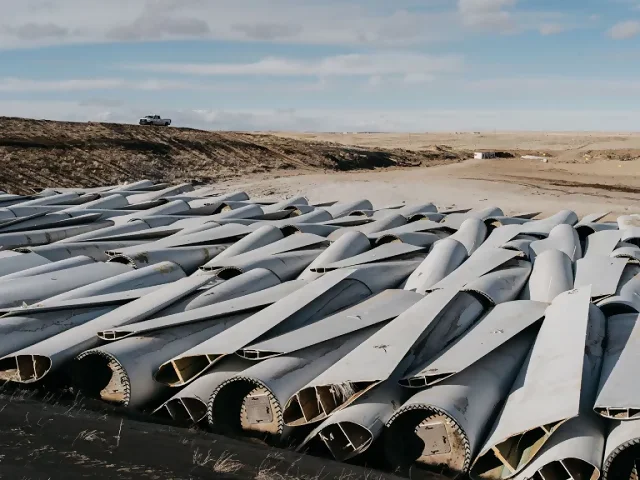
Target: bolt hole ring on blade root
x,y
622,463
99,375
245,405
427,438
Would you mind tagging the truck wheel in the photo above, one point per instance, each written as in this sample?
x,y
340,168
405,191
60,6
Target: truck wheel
x,y
166,124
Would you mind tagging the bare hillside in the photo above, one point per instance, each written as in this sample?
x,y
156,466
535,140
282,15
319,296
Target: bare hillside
x,y
37,153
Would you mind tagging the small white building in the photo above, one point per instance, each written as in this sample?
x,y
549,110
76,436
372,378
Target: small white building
x,y
481,155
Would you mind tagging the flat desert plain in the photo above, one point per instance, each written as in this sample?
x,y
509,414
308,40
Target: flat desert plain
x,y
585,172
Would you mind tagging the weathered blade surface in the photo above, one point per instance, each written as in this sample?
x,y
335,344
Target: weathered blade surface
x,y
503,284
188,258
544,226
482,262
347,246
603,273
618,395
601,243
441,428
159,274
286,244
383,252
627,296
546,393
247,303
391,349
445,256
21,261
115,298
418,239
134,360
455,220
578,444
552,275
20,331
308,302
261,237
50,267
46,236
31,364
562,237
375,310
502,323
472,233
238,286
20,290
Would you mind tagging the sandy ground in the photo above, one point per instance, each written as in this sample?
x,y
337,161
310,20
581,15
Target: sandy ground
x,y
587,172
546,141
515,185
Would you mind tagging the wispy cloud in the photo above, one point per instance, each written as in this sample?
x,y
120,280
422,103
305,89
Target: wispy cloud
x,y
487,14
551,29
599,87
353,22
625,30
28,85
376,64
72,85
337,120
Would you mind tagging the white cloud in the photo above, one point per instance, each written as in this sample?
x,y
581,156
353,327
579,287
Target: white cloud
x,y
158,26
375,81
487,14
338,120
551,29
624,30
37,31
417,78
396,24
354,22
375,64
596,87
479,6
26,85
73,85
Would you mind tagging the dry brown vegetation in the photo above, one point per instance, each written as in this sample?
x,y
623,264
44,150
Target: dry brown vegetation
x,y
39,153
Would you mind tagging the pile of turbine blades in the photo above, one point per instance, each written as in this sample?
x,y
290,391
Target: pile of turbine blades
x,y
465,341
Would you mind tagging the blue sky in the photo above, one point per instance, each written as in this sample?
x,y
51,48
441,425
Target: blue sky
x,y
401,65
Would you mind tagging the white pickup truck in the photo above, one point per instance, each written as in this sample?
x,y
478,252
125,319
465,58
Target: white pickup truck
x,y
155,120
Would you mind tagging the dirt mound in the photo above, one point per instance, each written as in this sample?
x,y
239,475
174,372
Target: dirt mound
x,y
35,153
63,437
